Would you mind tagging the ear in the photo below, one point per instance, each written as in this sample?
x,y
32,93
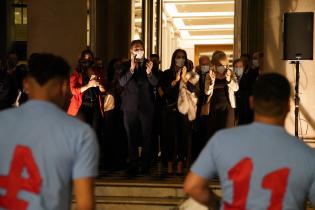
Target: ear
x,y
251,102
65,87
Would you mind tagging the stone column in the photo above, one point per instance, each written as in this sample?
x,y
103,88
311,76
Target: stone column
x,y
237,28
112,29
252,30
273,50
164,53
57,27
3,29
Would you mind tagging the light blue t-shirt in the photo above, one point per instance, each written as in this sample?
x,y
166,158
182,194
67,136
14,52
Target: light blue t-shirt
x,y
260,167
42,150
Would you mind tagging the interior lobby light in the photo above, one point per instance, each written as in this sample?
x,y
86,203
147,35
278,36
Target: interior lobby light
x,y
171,10
199,2
212,37
206,27
182,20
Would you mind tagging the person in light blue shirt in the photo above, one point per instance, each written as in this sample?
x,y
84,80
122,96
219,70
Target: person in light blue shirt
x,y
44,153
260,165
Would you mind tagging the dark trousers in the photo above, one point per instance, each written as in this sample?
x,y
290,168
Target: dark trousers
x,y
90,115
139,125
200,135
220,118
177,136
113,143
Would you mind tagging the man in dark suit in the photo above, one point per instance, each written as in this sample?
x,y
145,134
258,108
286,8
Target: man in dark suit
x,y
138,81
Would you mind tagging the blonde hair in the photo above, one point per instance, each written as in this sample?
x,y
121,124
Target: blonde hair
x,y
218,56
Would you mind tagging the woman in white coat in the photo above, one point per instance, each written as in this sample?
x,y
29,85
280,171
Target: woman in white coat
x,y
220,86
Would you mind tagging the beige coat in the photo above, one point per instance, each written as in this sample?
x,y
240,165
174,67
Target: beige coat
x,y
209,85
187,101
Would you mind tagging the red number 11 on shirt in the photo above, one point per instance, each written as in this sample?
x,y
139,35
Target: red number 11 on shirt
x,y
275,181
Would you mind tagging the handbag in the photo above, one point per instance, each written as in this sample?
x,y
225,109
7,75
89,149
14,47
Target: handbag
x,y
109,102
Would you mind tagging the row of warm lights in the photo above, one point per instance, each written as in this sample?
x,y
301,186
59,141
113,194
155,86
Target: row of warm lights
x,y
171,11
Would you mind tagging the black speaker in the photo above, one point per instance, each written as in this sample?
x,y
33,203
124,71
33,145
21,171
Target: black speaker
x,y
298,36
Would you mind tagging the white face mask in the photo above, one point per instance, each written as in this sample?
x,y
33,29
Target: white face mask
x,y
255,63
238,71
180,62
220,69
139,54
204,69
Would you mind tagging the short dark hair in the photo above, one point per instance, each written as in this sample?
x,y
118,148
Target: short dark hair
x,y
44,67
154,55
204,56
137,41
271,93
87,51
237,61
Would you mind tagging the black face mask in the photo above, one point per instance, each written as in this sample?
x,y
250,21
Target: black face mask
x,y
99,66
87,64
11,64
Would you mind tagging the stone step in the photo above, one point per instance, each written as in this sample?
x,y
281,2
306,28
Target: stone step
x,y
135,203
139,194
130,203
139,189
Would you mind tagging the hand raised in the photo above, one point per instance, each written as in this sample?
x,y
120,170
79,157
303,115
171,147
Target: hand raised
x,y
133,64
177,76
149,66
212,75
184,72
228,74
93,83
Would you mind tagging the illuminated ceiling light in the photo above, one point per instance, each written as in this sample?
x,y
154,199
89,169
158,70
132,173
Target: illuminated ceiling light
x,y
171,11
207,27
179,23
138,20
138,5
205,37
204,14
184,34
214,41
198,3
210,37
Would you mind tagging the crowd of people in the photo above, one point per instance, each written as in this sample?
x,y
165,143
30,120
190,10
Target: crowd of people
x,y
172,114
141,113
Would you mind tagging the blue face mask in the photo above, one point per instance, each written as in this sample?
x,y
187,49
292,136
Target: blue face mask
x,y
238,71
220,69
204,69
255,63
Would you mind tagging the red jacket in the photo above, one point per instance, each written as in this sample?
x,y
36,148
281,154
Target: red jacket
x,y
76,82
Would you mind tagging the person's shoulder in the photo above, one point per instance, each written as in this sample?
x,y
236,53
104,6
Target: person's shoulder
x,y
73,122
126,63
167,72
300,144
7,113
226,136
75,73
240,129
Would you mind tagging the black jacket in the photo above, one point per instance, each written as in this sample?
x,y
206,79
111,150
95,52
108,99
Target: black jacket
x,y
138,88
